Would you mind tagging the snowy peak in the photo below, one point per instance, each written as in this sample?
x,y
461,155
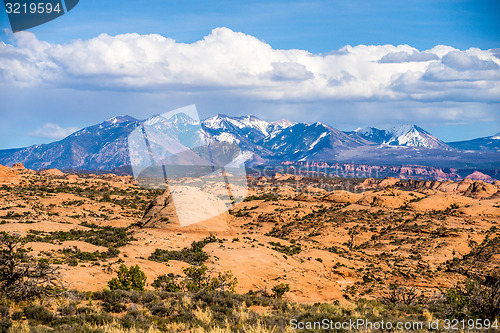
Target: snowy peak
x,y
254,122
246,123
216,122
182,118
496,136
119,120
283,123
374,134
248,126
413,136
406,135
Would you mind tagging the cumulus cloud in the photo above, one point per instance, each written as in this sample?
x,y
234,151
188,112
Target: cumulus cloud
x,y
290,71
53,131
465,62
395,57
241,64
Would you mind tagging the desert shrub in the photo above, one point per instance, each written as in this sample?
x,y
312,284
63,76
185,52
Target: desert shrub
x,y
73,262
280,290
21,275
160,309
219,298
112,301
75,253
289,250
197,278
265,196
132,278
5,324
193,254
167,283
401,295
97,235
39,314
473,298
97,319
5,321
17,315
68,310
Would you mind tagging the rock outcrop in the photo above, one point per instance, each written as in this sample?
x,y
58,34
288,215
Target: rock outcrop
x,y
18,166
7,176
476,175
481,189
164,213
52,172
341,196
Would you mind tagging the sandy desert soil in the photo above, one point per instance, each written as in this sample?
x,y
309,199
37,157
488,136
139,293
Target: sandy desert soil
x,y
329,239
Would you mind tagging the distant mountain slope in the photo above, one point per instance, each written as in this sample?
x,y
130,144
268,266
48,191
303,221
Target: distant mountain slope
x,y
304,142
101,146
105,146
372,134
489,143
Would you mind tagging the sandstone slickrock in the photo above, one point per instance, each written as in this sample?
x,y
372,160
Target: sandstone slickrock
x,y
162,212
18,166
52,172
480,189
7,176
341,196
388,181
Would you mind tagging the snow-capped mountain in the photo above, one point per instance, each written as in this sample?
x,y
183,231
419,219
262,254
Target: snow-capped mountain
x,y
101,146
405,135
414,136
106,146
303,142
372,134
250,127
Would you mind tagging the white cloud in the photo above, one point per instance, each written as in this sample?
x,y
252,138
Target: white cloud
x,y
53,131
395,57
290,71
243,65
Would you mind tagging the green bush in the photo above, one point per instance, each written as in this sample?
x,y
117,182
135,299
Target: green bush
x,y
128,279
193,255
39,314
166,283
97,235
289,250
280,289
473,298
197,278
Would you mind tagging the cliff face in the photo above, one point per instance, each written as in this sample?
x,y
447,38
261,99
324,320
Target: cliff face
x,y
466,187
7,176
354,170
162,213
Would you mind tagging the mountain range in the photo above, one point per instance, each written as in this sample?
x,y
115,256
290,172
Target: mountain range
x,y
105,147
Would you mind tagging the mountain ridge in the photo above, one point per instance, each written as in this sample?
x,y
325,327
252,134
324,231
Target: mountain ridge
x,y
104,146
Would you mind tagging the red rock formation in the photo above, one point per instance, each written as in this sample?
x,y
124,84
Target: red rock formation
x,y
476,175
7,177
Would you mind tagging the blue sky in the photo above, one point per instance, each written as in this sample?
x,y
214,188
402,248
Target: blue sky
x,y
453,98
317,26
